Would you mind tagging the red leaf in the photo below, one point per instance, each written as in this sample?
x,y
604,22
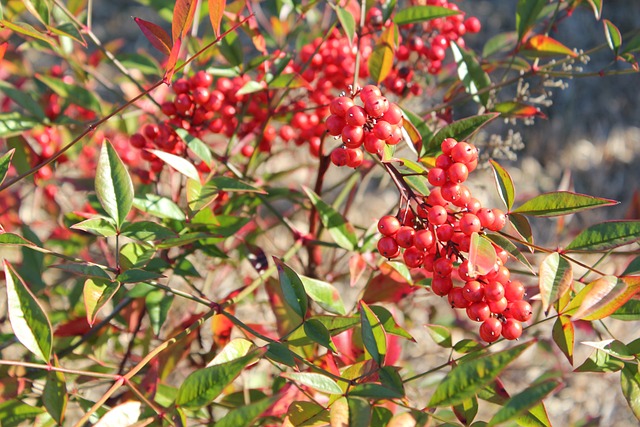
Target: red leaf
x,y
216,10
546,46
183,14
518,110
170,67
3,49
388,286
156,35
604,296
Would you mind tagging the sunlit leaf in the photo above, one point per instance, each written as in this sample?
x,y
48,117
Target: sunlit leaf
x,y
373,334
292,288
440,334
468,377
603,297
518,110
28,319
561,203
630,383
196,145
325,294
146,231
348,23
596,5
27,30
564,336
381,59
54,396
511,248
114,187
5,163
605,236
413,14
182,165
389,323
22,98
613,348
471,74
540,46
482,255
246,415
97,292
523,401
630,311
156,35
124,414
159,206
340,229
527,13
170,65
318,382
600,361
100,226
158,303
555,278
216,11
301,413
503,42
14,123
613,36
504,183
72,92
183,14
318,333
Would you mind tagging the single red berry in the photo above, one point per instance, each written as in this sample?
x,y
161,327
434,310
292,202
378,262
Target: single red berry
x,y
183,103
514,290
137,140
493,291
352,136
423,240
413,257
441,286
498,306
201,95
462,152
382,130
373,144
181,86
388,247
473,291
201,79
456,298
355,157
335,124
499,222
405,236
438,215
458,172
443,161
447,145
393,115
486,217
472,24
340,105
377,106
520,310
339,156
368,92
469,224
445,232
442,267
356,116
512,329
478,311
437,177
388,225
491,329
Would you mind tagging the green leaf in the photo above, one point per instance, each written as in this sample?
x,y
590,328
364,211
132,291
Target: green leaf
x,y
389,324
527,13
414,14
373,334
23,99
137,275
292,288
629,311
316,381
235,349
280,353
97,292
26,316
503,42
318,333
600,361
555,278
504,183
466,379
196,145
612,34
246,415
100,226
74,93
182,165
204,385
14,123
460,130
632,45
597,7
159,206
440,334
307,414
231,48
523,401
603,297
325,294
482,255
342,231
381,59
348,23
630,383
83,269
39,9
14,413
466,411
158,303
521,224
605,236
374,391
232,185
146,231
54,396
613,348
68,29
334,324
563,334
5,162
113,184
561,203
27,30
471,74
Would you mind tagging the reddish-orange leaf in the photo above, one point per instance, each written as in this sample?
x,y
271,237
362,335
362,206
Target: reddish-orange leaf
x,y
156,35
388,286
183,14
357,266
3,49
216,10
170,68
602,297
542,45
518,110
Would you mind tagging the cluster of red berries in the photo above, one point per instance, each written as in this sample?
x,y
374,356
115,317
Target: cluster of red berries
x,y
436,236
422,47
372,125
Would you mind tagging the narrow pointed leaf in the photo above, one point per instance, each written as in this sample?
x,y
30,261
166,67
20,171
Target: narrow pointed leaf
x,y
204,385
630,383
23,99
414,14
159,206
246,415
605,236
54,396
527,13
603,297
517,110
27,30
521,402
612,34
196,145
318,333
389,324
26,316
596,5
381,59
521,224
348,23
158,303
540,46
440,334
561,203
183,13
292,288
600,361
124,414
460,130
318,382
471,74
482,255
340,229
114,187
511,248
505,185
373,334
97,293
630,311
146,231
99,226
5,162
325,294
466,411
182,165
466,379
170,65
555,278
72,92
564,336
216,11
156,35
613,348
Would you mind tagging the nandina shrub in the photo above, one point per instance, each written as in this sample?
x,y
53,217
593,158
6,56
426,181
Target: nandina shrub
x,y
201,231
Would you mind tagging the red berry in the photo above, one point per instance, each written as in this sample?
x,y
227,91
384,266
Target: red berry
x,y
356,116
514,290
423,240
498,306
442,267
388,247
340,105
469,224
472,24
339,156
478,311
352,136
520,310
382,130
499,222
512,329
493,291
405,236
355,157
437,177
438,215
486,216
393,115
137,140
462,152
441,286
376,106
335,124
473,291
413,257
490,329
388,225
369,91
447,145
181,86
458,172
202,79
373,144
456,298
